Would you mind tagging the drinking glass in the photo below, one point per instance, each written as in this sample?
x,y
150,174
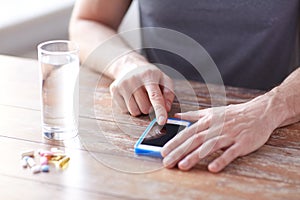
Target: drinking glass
x,y
59,87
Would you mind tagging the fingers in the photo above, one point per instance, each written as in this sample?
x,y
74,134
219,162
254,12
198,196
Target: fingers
x,y
119,102
206,142
184,149
117,98
188,160
167,91
142,100
158,102
192,115
142,87
124,100
227,157
184,135
203,151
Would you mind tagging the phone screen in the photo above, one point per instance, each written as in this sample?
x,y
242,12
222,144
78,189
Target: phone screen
x,y
159,135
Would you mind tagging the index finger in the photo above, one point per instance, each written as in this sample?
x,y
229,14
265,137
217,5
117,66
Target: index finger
x,y
158,102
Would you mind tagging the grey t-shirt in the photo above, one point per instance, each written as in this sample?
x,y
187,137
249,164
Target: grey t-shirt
x,y
252,42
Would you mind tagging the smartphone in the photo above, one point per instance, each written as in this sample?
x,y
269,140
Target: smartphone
x,y
156,136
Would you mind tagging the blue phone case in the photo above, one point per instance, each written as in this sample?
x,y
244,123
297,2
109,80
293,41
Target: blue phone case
x,y
145,152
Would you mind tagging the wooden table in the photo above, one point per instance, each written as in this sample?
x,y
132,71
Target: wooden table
x,y
103,165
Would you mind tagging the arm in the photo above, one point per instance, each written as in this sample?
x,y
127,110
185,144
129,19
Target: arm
x,y
288,95
246,127
92,23
138,85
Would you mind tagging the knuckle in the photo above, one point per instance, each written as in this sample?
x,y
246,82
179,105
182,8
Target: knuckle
x,y
124,83
234,151
146,74
180,152
145,109
159,110
207,122
151,75
155,95
112,88
168,92
198,137
129,97
222,161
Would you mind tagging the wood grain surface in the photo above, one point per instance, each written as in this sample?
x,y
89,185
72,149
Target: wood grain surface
x,y
103,164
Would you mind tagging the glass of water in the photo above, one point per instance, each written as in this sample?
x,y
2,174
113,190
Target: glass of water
x,y
59,70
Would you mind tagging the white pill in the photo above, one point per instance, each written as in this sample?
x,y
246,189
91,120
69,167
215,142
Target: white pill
x,y
30,162
36,169
24,163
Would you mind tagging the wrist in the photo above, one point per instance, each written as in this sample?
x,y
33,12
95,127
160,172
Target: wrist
x,y
125,64
274,107
269,109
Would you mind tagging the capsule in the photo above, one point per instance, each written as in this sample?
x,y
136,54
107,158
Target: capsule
x,y
62,163
27,153
57,157
36,169
24,163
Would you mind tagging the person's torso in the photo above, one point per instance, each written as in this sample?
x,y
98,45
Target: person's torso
x,y
252,42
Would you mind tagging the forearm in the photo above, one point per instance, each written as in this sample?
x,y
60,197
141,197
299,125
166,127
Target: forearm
x,y
101,47
289,91
96,52
285,100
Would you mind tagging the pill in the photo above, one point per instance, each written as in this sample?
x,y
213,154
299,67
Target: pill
x,y
30,162
44,160
45,168
25,158
46,153
27,153
36,169
59,154
63,162
24,163
57,158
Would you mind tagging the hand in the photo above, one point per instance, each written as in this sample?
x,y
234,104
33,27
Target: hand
x,y
241,129
142,86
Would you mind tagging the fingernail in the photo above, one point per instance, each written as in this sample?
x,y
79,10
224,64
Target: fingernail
x,y
213,167
163,153
161,120
167,161
177,114
184,163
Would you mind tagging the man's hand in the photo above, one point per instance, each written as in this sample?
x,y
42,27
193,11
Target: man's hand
x,y
142,88
243,129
